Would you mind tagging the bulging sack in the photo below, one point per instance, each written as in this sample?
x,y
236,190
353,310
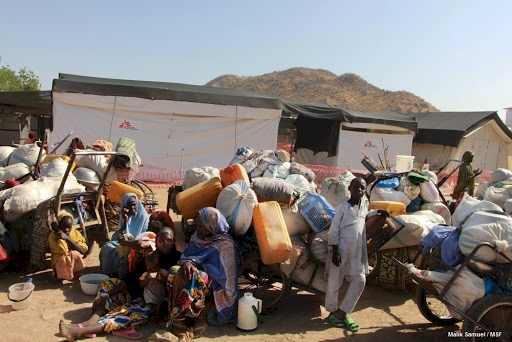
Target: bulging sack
x,y
468,205
26,154
197,175
273,189
485,226
236,202
416,226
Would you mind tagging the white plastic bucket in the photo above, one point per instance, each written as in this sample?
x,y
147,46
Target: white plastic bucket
x,y
404,163
20,295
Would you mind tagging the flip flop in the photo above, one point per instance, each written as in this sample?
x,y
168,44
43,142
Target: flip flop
x,y
350,324
335,321
86,335
130,334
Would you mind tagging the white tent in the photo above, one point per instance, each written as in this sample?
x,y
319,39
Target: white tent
x,y
174,126
447,135
342,139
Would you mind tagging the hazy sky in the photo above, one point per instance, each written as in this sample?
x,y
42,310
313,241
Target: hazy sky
x,y
457,55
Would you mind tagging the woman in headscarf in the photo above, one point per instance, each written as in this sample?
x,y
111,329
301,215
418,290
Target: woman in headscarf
x,y
466,177
133,220
209,265
119,307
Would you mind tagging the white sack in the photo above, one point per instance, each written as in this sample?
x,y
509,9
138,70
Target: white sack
x,y
277,170
5,154
465,290
311,273
295,223
14,171
410,190
298,255
236,202
480,189
429,192
387,194
484,226
335,189
299,182
197,175
97,163
318,245
499,175
26,154
497,196
431,175
56,168
508,206
416,226
26,197
440,209
469,205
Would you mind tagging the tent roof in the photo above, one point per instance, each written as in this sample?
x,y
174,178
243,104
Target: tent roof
x,y
448,128
29,102
163,91
325,112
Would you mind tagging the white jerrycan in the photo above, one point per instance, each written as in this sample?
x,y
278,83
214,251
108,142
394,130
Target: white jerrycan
x,y
249,309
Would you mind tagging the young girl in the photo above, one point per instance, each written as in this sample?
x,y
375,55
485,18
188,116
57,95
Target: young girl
x,y
67,246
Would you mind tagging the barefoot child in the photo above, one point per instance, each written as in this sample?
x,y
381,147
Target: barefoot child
x,y
347,258
67,246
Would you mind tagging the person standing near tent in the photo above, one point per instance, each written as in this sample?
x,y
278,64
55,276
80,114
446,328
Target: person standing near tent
x,y
466,178
347,258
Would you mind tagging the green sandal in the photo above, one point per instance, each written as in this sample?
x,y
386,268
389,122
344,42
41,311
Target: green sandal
x,y
335,321
350,324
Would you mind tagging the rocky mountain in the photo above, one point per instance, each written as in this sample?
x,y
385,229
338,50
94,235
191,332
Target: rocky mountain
x,y
348,91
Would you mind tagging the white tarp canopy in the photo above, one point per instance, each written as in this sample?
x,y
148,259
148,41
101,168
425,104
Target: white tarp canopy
x,y
168,134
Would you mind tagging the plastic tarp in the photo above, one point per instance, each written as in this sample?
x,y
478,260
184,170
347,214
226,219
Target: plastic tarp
x,y
166,131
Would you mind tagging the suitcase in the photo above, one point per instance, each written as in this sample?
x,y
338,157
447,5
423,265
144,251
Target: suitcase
x,y
197,197
271,233
231,173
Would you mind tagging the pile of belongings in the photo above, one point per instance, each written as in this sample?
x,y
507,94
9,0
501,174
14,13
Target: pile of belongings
x,y
416,190
266,176
475,222
18,163
498,190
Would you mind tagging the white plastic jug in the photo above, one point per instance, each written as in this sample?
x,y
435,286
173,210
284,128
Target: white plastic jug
x,y
249,308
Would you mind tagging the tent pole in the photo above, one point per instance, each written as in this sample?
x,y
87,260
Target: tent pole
x,y
181,167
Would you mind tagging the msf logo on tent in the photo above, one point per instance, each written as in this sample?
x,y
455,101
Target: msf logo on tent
x,y
368,143
127,125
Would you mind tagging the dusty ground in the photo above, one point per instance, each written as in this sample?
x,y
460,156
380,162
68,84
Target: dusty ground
x,y
382,314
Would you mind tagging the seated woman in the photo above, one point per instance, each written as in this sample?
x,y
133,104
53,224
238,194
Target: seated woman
x,y
119,306
133,220
210,263
67,247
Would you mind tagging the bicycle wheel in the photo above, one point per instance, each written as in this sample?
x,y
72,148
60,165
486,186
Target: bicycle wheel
x,y
433,309
267,283
494,312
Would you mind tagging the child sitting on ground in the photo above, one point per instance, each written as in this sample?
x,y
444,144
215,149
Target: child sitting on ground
x,y
153,282
67,247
